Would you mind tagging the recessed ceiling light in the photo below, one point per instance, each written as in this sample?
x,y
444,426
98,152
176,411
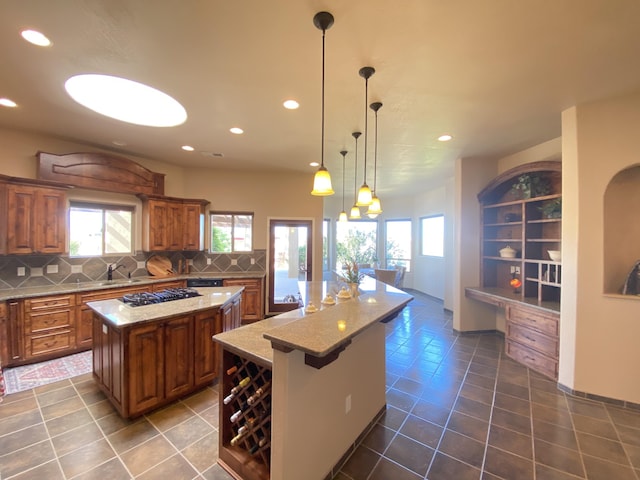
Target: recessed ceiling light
x,y
291,104
125,100
5,102
188,148
314,164
236,130
36,38
445,138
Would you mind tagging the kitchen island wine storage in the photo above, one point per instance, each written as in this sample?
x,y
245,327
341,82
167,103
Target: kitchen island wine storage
x,y
299,390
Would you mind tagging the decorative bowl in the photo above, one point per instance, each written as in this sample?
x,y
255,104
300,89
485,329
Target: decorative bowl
x,y
555,255
508,252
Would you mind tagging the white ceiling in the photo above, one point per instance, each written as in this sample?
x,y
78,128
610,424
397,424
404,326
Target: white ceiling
x,y
496,74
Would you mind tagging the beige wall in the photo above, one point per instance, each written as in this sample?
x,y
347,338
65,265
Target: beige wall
x,y
599,333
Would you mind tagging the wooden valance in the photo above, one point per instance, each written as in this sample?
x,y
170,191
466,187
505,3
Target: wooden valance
x,y
100,171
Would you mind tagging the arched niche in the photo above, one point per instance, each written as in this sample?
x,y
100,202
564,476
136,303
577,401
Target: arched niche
x,y
621,228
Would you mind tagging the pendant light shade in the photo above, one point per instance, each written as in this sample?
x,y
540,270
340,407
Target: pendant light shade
x,y
375,208
355,211
364,194
343,215
322,180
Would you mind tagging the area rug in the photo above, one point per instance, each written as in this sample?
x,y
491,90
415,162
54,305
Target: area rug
x,y
18,379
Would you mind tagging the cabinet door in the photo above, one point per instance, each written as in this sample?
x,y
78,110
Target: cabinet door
x,y
50,227
21,219
146,362
252,298
174,226
236,311
15,331
226,315
84,332
178,356
157,222
207,324
4,335
192,227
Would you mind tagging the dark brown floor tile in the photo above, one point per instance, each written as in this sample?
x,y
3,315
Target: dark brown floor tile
x,y
204,453
444,398
62,408
549,399
17,397
47,471
93,397
587,407
60,425
392,418
473,408
170,416
101,409
111,470
547,473
628,435
511,441
379,438
410,454
148,454
601,447
217,473
132,435
19,421
447,468
201,400
431,412
512,421
507,465
422,431
77,438
85,458
563,459
211,416
512,389
486,360
489,476
519,380
469,426
84,378
113,422
52,386
386,470
561,418
401,400
18,461
462,448
594,427
55,396
513,404
598,469
634,455
476,393
510,367
480,381
543,384
17,407
624,416
565,437
23,438
409,386
188,432
361,463
484,370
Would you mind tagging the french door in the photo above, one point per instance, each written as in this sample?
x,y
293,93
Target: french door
x,y
289,262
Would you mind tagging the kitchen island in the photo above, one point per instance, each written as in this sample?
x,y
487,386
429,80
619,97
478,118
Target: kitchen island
x,y
298,390
150,355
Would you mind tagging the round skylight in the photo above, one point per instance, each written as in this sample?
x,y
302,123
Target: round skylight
x,y
125,100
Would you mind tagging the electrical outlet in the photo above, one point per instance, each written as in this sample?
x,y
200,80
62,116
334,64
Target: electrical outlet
x,y
347,404
21,272
253,261
517,270
208,261
513,269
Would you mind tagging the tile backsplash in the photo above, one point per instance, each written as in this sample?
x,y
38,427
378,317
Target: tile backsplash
x,y
43,270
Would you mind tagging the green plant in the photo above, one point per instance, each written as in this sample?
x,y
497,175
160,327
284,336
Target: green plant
x,y
351,273
552,208
357,247
531,185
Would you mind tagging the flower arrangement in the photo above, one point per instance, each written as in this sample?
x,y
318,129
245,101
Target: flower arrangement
x,y
351,273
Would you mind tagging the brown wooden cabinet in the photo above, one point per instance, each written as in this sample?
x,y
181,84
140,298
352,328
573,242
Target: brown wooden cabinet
x,y
252,297
32,217
49,325
157,287
206,325
172,223
231,315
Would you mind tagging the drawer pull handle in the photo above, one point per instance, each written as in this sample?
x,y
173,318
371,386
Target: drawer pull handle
x,y
530,339
527,357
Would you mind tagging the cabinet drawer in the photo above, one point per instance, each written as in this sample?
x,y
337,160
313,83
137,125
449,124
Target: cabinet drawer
x,y
108,294
42,321
545,322
532,359
33,304
530,338
61,339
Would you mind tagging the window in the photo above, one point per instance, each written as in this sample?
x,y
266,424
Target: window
x,y
96,229
398,243
231,232
432,233
356,242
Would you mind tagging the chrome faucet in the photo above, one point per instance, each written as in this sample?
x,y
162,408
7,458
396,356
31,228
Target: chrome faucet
x,y
111,269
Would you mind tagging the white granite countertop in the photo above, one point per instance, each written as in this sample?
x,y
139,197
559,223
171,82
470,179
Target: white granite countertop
x,y
321,332
122,315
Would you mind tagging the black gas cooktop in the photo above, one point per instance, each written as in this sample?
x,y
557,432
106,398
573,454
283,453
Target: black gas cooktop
x,y
150,298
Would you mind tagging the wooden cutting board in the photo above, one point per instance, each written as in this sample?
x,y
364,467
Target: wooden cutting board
x,y
159,266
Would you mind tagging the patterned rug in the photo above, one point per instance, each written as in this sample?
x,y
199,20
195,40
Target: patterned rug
x,y
18,379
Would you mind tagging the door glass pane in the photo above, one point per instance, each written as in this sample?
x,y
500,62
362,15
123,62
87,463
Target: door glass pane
x,y
290,262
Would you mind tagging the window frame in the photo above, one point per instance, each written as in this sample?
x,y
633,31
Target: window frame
x,y
233,214
422,235
104,207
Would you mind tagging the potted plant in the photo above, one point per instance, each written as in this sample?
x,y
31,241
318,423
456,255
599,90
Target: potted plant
x,y
351,275
531,185
552,208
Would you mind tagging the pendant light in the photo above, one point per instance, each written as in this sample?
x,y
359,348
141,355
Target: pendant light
x,y
364,194
342,218
375,208
355,211
322,180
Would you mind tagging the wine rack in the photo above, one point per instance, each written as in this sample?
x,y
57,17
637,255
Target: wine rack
x,y
245,417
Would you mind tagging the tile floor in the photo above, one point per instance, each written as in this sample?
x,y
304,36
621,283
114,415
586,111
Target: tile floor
x,y
457,409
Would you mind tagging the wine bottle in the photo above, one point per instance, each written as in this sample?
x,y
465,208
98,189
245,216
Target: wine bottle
x,y
243,383
233,369
258,393
228,398
238,437
234,418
